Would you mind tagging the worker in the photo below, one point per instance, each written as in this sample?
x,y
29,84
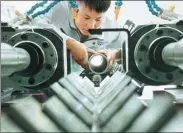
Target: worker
x,y
91,14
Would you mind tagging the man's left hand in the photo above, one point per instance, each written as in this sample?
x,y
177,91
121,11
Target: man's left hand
x,y
111,55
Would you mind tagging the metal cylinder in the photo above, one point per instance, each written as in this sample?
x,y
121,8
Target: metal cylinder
x,y
172,54
98,64
13,59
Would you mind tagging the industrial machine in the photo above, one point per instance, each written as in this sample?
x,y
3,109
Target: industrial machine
x,y
37,59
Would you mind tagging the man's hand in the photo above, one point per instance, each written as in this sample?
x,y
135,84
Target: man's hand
x,y
112,55
79,52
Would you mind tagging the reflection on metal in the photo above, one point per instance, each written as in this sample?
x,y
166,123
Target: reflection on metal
x,y
116,109
173,54
13,59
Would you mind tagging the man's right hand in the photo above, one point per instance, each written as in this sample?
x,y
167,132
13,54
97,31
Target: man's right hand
x,y
79,52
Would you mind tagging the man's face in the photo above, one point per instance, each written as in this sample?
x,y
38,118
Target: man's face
x,y
88,19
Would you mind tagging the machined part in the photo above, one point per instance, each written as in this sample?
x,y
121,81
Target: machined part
x,y
11,126
98,64
61,115
72,103
46,53
13,59
141,55
64,111
28,114
146,122
86,102
125,113
172,54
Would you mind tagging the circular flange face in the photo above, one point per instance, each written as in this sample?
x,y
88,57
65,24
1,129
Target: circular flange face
x,y
49,61
142,60
99,62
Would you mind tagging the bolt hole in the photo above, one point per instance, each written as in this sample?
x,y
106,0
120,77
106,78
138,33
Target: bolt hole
x,y
19,81
147,37
31,81
142,48
48,67
156,77
140,60
24,37
45,45
51,55
159,32
12,40
43,77
170,31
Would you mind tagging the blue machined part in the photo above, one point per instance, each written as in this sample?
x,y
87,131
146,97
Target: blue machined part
x,y
148,2
37,5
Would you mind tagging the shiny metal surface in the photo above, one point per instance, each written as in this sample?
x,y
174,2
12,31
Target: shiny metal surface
x,y
13,59
143,53
45,58
172,54
98,64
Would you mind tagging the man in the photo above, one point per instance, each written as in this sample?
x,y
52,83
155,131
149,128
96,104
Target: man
x,y
76,36
91,15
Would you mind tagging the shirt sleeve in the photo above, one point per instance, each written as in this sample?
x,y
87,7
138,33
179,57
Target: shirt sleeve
x,y
53,18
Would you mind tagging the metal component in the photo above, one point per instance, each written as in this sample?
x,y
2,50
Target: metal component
x,y
117,103
107,87
48,56
35,41
175,124
13,59
129,25
72,103
115,124
152,118
28,119
61,115
97,79
111,95
11,126
172,54
76,94
147,55
80,85
98,64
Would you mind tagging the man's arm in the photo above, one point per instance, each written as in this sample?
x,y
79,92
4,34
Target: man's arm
x,y
56,16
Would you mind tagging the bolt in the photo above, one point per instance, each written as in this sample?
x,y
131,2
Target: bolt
x,y
48,66
170,31
147,37
159,32
142,48
24,37
31,81
140,60
45,44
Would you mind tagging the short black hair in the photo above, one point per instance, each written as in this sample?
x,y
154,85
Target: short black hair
x,y
99,6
